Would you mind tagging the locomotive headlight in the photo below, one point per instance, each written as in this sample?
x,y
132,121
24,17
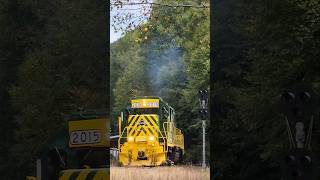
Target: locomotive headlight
x,y
130,139
151,138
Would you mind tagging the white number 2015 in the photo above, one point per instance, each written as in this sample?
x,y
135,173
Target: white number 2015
x,y
85,137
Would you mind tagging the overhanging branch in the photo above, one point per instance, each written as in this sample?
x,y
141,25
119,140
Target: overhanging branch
x,y
160,4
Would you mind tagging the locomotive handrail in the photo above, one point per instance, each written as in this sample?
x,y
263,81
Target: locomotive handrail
x,y
121,137
178,138
166,134
165,129
164,141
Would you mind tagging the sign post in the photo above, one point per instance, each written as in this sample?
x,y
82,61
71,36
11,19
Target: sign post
x,y
203,101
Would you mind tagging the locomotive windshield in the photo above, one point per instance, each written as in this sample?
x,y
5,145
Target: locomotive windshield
x,y
140,111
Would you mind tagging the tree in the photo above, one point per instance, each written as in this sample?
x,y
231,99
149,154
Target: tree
x,y
173,59
261,49
66,71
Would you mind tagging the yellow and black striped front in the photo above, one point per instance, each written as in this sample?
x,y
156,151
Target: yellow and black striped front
x,y
149,136
142,146
143,125
85,174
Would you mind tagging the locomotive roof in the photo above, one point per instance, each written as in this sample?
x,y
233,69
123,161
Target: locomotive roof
x,y
152,97
146,97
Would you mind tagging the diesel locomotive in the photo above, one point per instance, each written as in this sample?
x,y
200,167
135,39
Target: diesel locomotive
x,y
148,135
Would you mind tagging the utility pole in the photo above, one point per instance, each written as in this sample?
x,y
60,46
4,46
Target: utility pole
x,y
203,101
203,143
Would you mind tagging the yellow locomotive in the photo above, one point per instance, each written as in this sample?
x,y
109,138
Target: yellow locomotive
x,y
149,136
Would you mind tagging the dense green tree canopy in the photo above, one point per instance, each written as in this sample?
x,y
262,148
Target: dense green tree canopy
x,y
262,48
167,56
53,61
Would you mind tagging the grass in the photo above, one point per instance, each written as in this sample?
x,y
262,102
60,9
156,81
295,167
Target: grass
x,y
160,173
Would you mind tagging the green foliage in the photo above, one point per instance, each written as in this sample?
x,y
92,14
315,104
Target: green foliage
x,y
265,48
16,34
56,60
189,29
167,56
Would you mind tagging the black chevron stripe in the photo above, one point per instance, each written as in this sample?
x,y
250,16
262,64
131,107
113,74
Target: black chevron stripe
x,y
91,175
154,119
74,175
155,122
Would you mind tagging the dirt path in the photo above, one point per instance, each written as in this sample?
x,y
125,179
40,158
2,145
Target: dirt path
x,y
160,173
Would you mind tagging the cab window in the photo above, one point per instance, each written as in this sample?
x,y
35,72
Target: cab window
x,y
140,111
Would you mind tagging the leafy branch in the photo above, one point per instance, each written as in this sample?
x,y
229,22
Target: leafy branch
x,y
117,4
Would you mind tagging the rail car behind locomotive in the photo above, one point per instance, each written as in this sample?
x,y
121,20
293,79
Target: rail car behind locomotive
x,y
149,136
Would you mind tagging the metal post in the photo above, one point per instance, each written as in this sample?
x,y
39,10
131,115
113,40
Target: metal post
x,y
203,100
203,143
39,169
